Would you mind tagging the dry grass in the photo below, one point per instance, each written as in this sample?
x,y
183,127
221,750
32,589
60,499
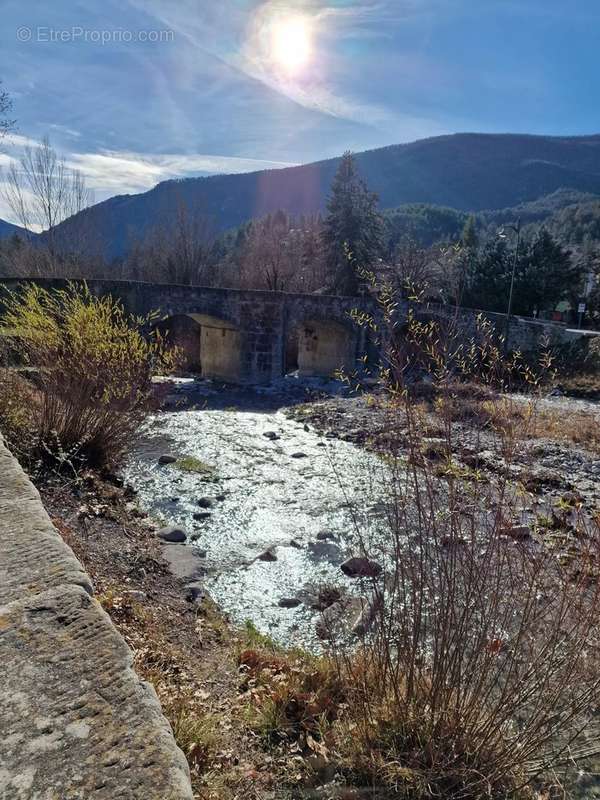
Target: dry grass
x,y
579,427
482,408
483,666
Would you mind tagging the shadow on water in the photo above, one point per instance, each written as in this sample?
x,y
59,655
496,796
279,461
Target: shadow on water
x,y
192,392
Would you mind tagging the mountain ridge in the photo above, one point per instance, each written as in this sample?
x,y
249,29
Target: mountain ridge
x,y
8,229
468,171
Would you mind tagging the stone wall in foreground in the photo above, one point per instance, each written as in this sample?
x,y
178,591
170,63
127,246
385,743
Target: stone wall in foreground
x,y
76,722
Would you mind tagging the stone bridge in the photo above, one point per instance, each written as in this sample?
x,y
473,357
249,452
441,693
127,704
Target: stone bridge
x,y
252,337
246,336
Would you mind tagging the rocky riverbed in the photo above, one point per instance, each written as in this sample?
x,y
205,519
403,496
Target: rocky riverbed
x,y
267,504
549,466
261,512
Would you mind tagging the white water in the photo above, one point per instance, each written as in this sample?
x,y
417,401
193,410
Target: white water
x,y
271,500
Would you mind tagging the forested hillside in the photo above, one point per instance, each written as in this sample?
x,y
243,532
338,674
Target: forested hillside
x,y
468,172
8,229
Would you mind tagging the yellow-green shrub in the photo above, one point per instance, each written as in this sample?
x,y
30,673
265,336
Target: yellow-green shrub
x,y
94,370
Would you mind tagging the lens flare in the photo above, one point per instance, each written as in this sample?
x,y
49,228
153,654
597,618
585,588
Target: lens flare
x,y
291,45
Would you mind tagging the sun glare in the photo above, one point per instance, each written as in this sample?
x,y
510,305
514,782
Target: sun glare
x,y
292,43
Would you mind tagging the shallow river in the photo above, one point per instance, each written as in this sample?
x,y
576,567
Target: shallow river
x,y
299,496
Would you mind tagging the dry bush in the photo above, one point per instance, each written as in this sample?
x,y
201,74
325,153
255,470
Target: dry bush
x,y
291,696
94,367
17,399
580,427
480,676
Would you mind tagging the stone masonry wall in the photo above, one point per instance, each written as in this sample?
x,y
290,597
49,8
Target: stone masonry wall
x,y
266,320
76,722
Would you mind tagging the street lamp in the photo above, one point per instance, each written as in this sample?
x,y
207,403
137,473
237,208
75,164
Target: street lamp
x,y
517,229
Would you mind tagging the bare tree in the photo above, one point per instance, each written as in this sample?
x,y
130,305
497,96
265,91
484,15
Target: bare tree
x,y
177,251
313,275
279,253
413,267
6,124
42,191
265,262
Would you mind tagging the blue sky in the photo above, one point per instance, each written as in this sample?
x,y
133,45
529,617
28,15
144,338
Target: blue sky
x,y
208,95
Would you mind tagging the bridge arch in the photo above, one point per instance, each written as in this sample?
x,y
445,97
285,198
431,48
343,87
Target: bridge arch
x,y
209,345
239,335
319,347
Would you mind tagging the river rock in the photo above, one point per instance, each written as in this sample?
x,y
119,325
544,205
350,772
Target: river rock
x,y
268,555
167,458
322,536
206,502
194,592
289,602
330,622
184,562
298,455
172,534
544,477
136,594
201,515
517,532
360,567
327,595
272,435
365,619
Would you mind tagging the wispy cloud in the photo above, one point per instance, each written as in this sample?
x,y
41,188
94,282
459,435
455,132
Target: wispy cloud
x,y
114,171
241,39
111,172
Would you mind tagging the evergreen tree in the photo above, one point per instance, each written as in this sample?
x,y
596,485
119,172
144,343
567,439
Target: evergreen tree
x,y
469,236
547,275
487,280
353,230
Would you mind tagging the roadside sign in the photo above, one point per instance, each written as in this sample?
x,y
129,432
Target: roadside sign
x,y
581,308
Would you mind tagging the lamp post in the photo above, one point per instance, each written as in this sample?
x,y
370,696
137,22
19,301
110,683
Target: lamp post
x,y
517,229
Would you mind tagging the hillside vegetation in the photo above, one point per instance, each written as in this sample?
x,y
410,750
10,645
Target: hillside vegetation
x,y
468,172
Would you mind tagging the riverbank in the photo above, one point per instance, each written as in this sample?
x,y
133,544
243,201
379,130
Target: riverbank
x,y
203,666
184,647
556,438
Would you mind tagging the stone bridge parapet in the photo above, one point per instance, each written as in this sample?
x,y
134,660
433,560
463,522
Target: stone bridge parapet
x,y
254,337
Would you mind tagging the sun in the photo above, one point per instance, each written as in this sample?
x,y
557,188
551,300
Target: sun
x,y
291,45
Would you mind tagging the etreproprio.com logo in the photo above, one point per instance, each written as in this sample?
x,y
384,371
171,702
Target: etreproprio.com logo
x,y
44,33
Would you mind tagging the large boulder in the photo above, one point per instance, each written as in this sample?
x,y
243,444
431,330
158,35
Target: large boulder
x,y
172,534
360,567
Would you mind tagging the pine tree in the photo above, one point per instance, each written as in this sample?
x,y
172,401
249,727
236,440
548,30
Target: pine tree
x,y
548,275
469,236
353,230
545,274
